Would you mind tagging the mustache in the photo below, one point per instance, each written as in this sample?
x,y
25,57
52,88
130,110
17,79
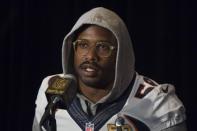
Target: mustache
x,y
88,63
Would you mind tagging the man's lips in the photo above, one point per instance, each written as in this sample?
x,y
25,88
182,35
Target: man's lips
x,y
89,68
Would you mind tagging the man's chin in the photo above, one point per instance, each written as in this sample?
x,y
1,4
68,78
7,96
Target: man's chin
x,y
91,82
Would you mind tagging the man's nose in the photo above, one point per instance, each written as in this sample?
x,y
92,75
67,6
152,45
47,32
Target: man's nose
x,y
92,55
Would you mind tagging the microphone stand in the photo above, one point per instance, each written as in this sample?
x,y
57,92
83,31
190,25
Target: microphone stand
x,y
48,119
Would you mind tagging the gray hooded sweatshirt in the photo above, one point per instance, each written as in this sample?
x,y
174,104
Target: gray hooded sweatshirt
x,y
125,60
152,108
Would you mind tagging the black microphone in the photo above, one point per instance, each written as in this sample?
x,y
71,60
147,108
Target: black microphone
x,y
60,93
63,87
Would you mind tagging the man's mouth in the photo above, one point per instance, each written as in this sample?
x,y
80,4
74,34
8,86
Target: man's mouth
x,y
90,69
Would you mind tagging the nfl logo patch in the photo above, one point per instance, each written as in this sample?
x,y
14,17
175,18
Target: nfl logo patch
x,y
89,126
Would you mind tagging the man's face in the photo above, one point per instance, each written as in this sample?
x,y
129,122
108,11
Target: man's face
x,y
93,69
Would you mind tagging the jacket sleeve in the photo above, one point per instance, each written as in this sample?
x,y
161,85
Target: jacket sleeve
x,y
169,109
160,109
41,102
35,126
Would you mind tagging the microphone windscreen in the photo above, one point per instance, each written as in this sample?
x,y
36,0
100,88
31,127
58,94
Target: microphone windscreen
x,y
64,87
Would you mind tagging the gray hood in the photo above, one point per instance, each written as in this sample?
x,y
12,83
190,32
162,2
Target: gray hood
x,y
125,60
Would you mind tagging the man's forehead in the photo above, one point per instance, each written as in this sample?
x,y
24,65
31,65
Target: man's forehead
x,y
94,32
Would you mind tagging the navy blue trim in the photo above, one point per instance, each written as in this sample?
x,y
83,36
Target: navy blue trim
x,y
104,113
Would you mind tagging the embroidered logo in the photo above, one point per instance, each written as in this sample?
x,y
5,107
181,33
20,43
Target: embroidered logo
x,y
113,127
89,126
119,125
127,123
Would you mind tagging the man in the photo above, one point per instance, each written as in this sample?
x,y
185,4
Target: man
x,y
111,95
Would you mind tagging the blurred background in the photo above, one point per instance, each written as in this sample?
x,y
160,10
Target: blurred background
x,y
31,34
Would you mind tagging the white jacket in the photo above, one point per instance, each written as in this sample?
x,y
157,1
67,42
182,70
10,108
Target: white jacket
x,y
152,105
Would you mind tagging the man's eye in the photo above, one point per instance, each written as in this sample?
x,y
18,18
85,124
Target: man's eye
x,y
103,46
83,45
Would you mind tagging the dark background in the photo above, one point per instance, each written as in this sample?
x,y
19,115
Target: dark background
x,y
32,31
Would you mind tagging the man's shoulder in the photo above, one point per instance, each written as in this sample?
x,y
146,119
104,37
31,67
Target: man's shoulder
x,y
144,86
155,104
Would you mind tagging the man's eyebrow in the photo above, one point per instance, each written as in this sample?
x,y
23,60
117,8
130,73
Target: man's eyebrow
x,y
107,41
